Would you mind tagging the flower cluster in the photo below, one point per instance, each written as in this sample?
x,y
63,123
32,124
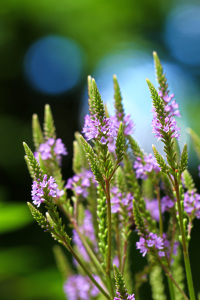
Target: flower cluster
x,y
44,187
128,297
170,104
80,183
149,241
152,206
192,204
144,167
51,148
167,246
167,123
87,230
119,200
106,130
79,287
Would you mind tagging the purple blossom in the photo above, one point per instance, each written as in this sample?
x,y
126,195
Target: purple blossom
x,y
169,124
51,147
106,129
192,204
79,287
199,170
151,240
127,297
144,167
120,201
44,187
87,230
152,206
167,246
80,183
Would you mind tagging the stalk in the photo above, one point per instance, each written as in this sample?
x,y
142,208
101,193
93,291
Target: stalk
x,y
87,272
171,289
184,245
108,266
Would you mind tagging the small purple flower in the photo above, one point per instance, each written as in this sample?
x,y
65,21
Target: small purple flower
x,y
151,240
142,168
87,230
80,183
40,188
79,287
120,201
50,148
169,124
192,204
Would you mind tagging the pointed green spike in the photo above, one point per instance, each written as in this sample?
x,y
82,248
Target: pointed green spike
x,y
37,132
49,128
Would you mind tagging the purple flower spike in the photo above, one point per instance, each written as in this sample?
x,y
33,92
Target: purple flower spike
x,y
151,240
38,190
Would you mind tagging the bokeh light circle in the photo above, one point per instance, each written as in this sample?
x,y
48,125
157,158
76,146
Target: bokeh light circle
x,y
54,64
182,34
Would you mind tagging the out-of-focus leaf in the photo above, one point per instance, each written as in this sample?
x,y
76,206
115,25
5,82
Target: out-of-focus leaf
x,y
14,216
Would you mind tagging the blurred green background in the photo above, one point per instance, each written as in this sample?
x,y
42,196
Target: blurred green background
x,y
47,49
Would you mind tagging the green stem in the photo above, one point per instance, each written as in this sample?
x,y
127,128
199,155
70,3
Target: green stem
x,y
86,271
108,266
168,273
184,244
171,289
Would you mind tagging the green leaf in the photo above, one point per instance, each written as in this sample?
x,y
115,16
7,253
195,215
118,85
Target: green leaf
x,y
162,80
92,159
14,216
188,181
120,143
183,159
33,165
49,128
160,160
97,102
135,147
120,284
157,101
119,110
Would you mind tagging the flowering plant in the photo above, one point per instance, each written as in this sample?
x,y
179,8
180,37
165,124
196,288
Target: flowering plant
x,y
117,191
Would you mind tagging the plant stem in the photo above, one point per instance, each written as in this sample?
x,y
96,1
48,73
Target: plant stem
x,y
184,244
171,289
87,272
168,273
108,266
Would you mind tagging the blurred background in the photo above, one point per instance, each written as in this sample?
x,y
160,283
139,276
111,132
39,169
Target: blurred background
x,y
47,49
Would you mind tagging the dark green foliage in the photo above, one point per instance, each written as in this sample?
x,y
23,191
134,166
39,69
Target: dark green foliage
x,y
120,143
119,110
33,165
161,78
135,147
120,285
183,159
49,128
37,132
159,159
196,141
